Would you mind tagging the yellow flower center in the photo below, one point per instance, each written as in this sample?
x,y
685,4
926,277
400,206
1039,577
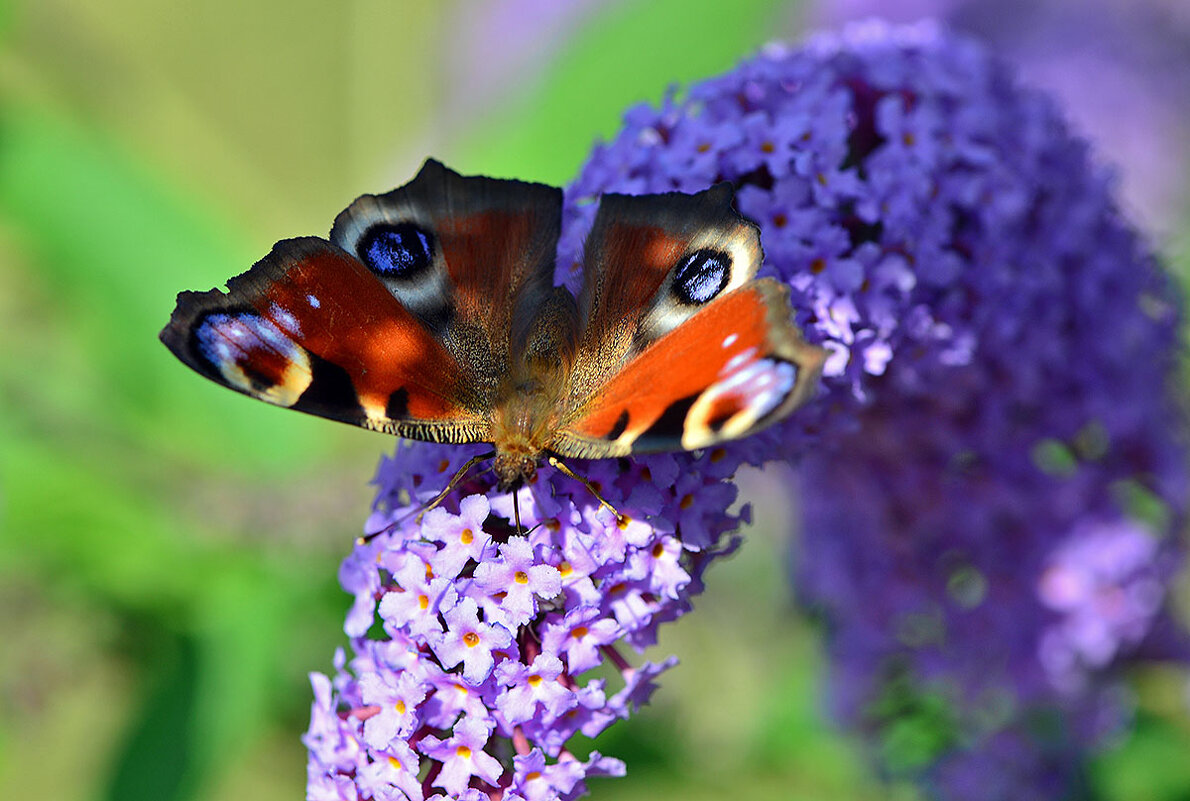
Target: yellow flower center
x,y
520,577
471,639
467,536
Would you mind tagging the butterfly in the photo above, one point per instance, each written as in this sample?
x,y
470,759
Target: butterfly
x,y
431,313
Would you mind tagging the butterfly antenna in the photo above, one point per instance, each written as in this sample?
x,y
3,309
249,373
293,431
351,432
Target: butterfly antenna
x,y
559,465
454,482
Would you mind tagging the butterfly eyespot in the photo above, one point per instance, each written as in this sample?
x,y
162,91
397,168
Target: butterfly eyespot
x,y
702,276
254,356
397,251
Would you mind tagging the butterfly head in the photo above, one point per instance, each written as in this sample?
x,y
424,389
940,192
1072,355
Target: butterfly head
x,y
513,468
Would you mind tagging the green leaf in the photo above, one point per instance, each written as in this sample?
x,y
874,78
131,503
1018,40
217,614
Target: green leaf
x,y
157,757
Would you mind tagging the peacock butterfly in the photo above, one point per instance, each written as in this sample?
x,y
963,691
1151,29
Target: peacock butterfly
x,y
432,314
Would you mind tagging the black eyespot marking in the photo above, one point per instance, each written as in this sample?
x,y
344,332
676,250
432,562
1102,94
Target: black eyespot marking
x,y
398,405
666,429
331,392
397,251
618,429
702,276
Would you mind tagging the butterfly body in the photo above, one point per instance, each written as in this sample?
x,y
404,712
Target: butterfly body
x,y
431,313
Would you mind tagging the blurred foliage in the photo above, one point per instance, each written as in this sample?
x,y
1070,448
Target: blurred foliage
x,y
168,550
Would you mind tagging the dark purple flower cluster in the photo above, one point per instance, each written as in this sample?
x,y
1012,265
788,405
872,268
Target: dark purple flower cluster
x,y
991,508
1111,65
473,644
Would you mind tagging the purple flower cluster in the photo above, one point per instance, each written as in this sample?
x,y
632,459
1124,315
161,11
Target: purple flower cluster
x,y
1111,64
473,644
990,480
992,499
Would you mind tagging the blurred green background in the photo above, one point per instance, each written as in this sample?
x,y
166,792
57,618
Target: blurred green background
x,y
168,549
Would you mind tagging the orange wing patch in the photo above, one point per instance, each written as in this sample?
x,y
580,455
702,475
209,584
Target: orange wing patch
x,y
734,367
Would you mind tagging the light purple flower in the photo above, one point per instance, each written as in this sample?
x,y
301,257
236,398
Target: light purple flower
x,y
531,686
416,601
396,697
517,579
640,686
392,774
462,756
578,636
462,536
1106,584
469,640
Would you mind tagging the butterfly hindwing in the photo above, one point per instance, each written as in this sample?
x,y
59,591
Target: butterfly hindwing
x,y
733,367
680,346
311,328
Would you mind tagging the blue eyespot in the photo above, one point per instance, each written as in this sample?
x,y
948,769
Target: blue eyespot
x,y
702,276
397,251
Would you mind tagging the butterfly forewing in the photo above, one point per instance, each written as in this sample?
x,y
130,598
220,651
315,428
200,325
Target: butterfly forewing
x,y
469,256
310,327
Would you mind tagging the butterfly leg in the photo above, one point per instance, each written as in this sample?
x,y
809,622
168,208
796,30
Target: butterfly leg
x,y
454,482
559,465
516,512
